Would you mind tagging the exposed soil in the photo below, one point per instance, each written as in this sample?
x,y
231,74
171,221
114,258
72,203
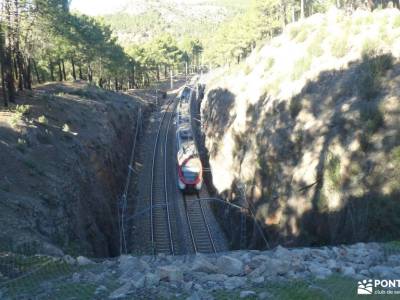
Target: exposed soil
x,y
63,163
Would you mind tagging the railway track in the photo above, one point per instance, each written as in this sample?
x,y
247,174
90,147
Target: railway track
x,y
200,232
161,211
167,221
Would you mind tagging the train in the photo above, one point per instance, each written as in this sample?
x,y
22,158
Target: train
x,y
190,170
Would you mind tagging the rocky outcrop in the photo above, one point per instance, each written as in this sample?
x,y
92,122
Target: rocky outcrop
x,y
241,273
310,133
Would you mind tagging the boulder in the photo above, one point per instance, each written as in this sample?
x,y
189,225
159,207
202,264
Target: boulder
x,y
122,291
382,272
394,260
319,271
229,266
171,273
83,261
258,271
187,286
138,280
247,294
215,277
200,295
258,260
396,270
258,280
76,277
281,252
151,279
201,264
100,290
234,283
129,264
276,267
69,260
347,271
265,295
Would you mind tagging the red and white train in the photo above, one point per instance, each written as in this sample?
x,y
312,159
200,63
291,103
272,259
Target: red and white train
x,y
190,171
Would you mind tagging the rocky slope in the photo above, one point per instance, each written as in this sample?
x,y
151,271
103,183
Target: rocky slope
x,y
64,155
310,125
306,273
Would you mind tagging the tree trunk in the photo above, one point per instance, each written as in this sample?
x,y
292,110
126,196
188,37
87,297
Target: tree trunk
x,y
90,75
158,72
101,82
9,77
36,71
73,68
2,63
302,6
51,67
60,75
133,76
80,73
63,70
165,72
116,84
15,65
28,75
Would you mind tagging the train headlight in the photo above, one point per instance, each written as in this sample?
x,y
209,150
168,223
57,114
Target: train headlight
x,y
198,186
181,185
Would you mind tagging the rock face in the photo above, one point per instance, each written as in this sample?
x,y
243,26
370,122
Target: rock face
x,y
229,265
310,146
60,188
182,277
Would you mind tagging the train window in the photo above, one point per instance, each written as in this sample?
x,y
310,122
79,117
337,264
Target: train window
x,y
190,174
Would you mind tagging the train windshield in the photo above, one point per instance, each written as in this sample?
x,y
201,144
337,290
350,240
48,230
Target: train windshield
x,y
190,174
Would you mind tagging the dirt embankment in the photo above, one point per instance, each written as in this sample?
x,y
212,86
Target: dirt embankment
x,y
314,135
64,155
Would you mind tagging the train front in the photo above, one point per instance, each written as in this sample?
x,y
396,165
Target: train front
x,y
190,177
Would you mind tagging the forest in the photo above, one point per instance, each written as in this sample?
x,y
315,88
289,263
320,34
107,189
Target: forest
x,y
42,40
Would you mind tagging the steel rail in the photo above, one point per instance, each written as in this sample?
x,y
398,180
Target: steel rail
x,y
153,176
190,226
165,181
207,226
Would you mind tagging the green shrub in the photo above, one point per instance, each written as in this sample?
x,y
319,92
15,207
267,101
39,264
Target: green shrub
x,y
294,31
370,47
21,145
66,128
301,66
332,170
302,35
396,22
365,141
315,48
247,69
372,69
15,120
295,107
340,47
270,63
395,153
22,110
321,201
43,120
372,117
